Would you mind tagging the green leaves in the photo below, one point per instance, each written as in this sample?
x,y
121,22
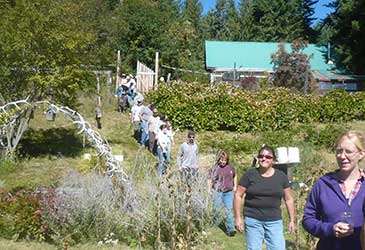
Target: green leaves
x,y
42,47
292,69
201,107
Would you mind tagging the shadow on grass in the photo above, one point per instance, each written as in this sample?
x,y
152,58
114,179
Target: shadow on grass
x,y
60,142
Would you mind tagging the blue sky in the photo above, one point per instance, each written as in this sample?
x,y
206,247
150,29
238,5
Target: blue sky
x,y
320,10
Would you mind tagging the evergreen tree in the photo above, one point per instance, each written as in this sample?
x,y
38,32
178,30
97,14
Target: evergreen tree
x,y
308,12
232,25
248,22
276,20
169,9
222,23
280,20
145,23
191,36
348,38
192,11
209,26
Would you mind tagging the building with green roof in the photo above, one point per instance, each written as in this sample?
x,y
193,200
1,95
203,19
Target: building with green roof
x,y
234,61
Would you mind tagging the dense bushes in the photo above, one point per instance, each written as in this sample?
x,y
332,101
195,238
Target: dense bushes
x,y
202,107
20,216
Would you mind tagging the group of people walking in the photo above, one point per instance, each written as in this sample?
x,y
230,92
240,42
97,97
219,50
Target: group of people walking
x,y
126,92
155,132
334,209
333,212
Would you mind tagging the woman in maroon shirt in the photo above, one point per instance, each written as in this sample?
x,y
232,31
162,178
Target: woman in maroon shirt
x,y
224,182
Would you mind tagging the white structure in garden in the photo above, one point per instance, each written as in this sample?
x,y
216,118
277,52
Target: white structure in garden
x,y
14,120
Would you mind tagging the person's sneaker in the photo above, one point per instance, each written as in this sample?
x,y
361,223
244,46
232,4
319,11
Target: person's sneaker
x,y
231,233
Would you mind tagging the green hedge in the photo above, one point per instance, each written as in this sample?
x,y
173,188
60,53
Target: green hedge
x,y
200,107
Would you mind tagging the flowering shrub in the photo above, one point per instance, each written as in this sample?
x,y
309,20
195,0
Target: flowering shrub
x,y
21,216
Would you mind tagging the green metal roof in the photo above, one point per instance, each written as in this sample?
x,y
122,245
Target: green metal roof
x,y
255,55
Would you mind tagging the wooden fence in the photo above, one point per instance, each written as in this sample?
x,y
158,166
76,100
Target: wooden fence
x,y
145,78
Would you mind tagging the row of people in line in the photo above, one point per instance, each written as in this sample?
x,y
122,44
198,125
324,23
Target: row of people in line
x,y
333,212
155,132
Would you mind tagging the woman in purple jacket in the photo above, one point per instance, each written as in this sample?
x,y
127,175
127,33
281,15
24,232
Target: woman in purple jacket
x,y
333,211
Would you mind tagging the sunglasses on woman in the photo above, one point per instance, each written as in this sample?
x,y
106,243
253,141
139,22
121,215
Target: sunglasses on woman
x,y
268,157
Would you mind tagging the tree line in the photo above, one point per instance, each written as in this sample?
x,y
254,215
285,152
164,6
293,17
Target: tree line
x,y
47,48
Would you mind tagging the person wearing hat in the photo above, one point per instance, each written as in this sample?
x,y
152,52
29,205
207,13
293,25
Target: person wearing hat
x,y
123,80
131,82
121,94
187,158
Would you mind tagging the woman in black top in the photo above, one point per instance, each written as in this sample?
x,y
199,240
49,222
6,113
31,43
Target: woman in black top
x,y
264,188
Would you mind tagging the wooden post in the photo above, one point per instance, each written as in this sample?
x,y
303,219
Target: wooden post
x,y
108,83
118,62
156,71
168,77
98,89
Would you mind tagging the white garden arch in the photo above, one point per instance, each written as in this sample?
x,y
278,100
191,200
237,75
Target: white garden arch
x,y
15,116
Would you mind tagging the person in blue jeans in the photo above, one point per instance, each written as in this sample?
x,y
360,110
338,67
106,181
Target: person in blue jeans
x,y
264,187
224,183
145,114
163,149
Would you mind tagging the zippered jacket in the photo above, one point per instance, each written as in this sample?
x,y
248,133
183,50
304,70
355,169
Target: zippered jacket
x,y
323,209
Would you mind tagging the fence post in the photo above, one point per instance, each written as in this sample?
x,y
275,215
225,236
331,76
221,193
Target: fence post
x,y
118,62
98,89
108,83
156,71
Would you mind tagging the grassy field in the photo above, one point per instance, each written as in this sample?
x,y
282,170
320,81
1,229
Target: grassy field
x,y
51,149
